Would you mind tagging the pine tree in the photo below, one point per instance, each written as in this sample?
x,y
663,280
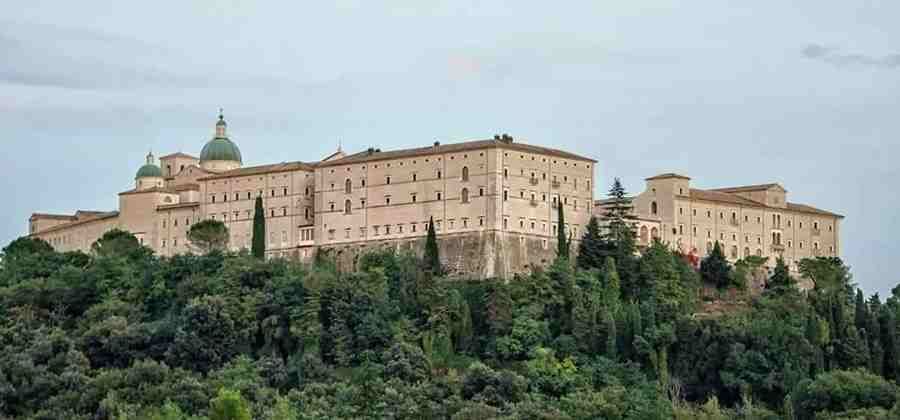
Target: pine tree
x,y
258,249
620,219
562,242
432,258
590,250
781,279
714,269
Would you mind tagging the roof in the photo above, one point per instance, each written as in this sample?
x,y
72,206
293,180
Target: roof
x,y
749,188
730,198
262,169
191,167
178,206
94,218
51,216
369,155
178,154
149,171
166,190
667,176
220,148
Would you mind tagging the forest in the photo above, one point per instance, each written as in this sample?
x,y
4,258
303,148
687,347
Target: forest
x,y
607,331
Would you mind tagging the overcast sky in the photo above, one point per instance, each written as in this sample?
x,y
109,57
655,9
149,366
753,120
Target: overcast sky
x,y
804,93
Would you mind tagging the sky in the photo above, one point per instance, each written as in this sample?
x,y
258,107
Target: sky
x,y
803,93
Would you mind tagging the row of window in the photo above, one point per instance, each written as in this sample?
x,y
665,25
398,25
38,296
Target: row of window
x,y
776,218
248,195
388,229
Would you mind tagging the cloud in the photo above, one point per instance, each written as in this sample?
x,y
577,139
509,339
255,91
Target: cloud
x,y
835,57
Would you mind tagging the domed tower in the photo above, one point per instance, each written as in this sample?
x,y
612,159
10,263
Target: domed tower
x,y
149,175
220,154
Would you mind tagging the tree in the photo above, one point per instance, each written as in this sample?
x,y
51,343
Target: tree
x,y
258,247
861,312
229,405
781,280
432,258
208,236
119,243
714,269
619,237
562,241
590,250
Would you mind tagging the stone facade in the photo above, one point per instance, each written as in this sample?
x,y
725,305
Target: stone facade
x,y
493,203
748,220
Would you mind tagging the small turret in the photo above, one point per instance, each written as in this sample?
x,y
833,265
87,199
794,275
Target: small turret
x,y
220,153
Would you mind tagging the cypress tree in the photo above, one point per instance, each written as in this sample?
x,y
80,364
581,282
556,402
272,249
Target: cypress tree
x,y
258,249
432,259
562,243
609,324
590,250
612,287
861,313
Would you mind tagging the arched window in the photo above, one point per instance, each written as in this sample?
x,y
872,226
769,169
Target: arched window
x,y
654,233
347,207
644,234
348,186
654,208
465,173
747,252
465,195
734,251
758,252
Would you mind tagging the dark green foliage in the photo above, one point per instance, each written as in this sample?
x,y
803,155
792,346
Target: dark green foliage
x,y
258,244
715,269
562,239
590,250
122,333
842,391
432,257
209,235
619,236
781,280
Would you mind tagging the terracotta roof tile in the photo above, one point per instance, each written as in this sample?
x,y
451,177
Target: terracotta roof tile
x,y
262,169
667,176
367,156
95,218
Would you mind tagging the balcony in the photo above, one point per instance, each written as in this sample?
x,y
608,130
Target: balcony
x,y
533,181
554,184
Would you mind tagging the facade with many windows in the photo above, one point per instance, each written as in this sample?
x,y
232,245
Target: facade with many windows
x,y
492,200
747,220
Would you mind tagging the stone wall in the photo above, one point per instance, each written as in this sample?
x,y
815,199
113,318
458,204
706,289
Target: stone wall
x,y
486,254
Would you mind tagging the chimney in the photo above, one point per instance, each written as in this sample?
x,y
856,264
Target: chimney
x,y
436,144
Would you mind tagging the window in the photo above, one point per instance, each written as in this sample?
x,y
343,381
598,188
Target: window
x,y
272,212
465,195
481,192
362,182
237,196
332,206
387,200
248,195
415,177
505,173
439,174
654,208
413,198
465,173
387,180
348,186
505,195
306,212
347,206
284,211
214,199
439,196
273,191
285,191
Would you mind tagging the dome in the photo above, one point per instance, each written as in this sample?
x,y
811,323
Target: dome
x,y
220,148
149,170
